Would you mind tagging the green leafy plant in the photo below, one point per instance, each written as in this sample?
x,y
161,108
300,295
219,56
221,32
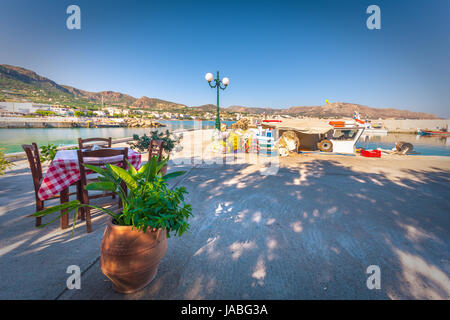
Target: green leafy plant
x,y
4,164
148,204
45,113
48,152
142,143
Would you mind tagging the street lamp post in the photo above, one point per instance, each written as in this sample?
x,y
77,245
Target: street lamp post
x,y
217,84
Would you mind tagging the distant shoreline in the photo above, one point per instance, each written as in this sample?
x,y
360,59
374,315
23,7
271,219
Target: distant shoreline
x,y
54,122
393,126
12,138
15,156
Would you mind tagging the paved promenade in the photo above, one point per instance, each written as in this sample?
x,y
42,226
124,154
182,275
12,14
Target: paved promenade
x,y
309,231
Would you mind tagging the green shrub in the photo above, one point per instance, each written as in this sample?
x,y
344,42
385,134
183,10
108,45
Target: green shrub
x,y
48,152
4,164
142,143
45,113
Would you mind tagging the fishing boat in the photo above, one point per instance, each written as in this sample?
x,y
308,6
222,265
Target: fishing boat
x,y
316,134
424,132
370,128
375,131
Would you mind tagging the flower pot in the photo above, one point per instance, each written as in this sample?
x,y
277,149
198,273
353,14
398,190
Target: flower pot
x,y
163,170
130,258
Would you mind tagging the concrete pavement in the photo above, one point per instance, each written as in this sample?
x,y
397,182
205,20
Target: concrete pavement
x,y
308,232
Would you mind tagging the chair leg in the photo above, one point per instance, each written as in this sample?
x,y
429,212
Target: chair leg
x,y
87,212
39,207
64,197
80,214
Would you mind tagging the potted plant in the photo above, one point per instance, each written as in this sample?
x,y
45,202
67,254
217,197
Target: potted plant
x,y
142,144
134,241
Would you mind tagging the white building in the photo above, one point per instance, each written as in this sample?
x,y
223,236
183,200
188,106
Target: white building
x,y
113,111
99,113
62,111
17,107
29,107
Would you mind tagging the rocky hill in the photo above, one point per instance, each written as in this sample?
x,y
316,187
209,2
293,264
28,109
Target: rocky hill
x,y
26,84
109,97
337,109
252,110
206,108
156,104
34,87
12,77
343,109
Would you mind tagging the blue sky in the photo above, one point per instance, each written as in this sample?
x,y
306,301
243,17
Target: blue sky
x,y
276,53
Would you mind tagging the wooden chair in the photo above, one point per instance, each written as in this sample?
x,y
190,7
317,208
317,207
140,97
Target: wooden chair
x,y
32,152
81,145
81,142
155,148
84,181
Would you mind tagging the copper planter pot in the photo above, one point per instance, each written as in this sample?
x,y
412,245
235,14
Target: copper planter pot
x,y
130,258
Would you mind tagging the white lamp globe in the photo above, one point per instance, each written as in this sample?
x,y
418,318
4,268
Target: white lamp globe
x,y
209,77
225,81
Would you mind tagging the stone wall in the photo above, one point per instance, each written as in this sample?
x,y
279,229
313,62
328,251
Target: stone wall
x,y
411,126
41,124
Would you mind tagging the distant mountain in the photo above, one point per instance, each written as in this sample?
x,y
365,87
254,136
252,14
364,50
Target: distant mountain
x,y
343,109
206,108
109,97
29,85
12,77
35,87
337,109
251,110
156,104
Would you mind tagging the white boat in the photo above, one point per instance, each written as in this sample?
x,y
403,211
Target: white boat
x,y
370,129
344,139
375,132
333,136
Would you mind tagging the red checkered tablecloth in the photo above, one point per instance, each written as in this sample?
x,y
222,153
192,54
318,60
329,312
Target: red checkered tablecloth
x,y
64,171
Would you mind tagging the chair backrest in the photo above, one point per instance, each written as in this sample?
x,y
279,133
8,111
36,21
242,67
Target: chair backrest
x,y
32,152
155,148
81,142
100,160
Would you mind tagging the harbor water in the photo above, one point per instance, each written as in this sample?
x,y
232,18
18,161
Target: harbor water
x,y
423,145
12,139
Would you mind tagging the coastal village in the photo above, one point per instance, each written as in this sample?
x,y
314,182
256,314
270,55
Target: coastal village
x,y
12,109
30,100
